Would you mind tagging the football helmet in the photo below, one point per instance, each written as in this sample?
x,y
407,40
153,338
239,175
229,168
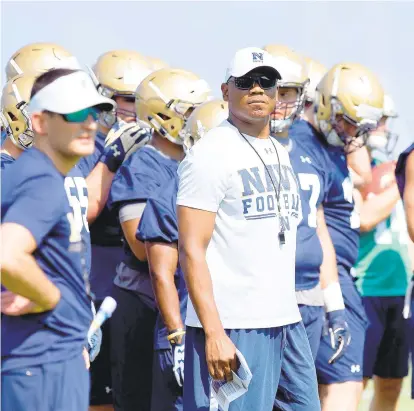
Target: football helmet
x,y
315,72
383,138
118,74
39,57
352,92
156,63
14,100
166,98
205,117
293,70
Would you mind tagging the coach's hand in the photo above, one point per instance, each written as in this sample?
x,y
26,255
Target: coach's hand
x,y
122,142
221,356
14,305
339,333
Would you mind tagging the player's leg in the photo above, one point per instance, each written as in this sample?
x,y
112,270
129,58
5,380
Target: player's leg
x,y
22,386
392,361
374,333
340,383
298,388
263,351
167,395
313,319
132,337
100,372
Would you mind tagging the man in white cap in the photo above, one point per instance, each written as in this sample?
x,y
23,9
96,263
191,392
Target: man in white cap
x,y
45,255
238,211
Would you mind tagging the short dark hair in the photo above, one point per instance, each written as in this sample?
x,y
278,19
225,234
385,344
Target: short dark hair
x,y
49,77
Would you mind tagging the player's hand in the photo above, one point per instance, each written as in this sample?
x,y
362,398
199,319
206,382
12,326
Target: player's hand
x,y
14,305
124,141
339,333
178,349
94,344
221,356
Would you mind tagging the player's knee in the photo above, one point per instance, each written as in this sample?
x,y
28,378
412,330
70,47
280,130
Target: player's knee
x,y
388,389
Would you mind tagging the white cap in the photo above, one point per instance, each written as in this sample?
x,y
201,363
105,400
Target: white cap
x,y
68,94
248,59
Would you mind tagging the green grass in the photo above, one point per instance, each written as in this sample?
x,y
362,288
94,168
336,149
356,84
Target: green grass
x,y
405,404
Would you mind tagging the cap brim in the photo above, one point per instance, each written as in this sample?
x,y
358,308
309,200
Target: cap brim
x,y
271,70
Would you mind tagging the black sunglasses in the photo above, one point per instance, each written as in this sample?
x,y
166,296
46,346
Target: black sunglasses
x,y
247,82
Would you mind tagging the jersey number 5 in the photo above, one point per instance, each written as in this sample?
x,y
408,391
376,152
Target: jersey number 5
x,y
79,204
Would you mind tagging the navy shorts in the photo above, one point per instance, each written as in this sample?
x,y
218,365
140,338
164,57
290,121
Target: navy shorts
x,y
62,386
132,347
267,351
387,344
350,366
313,319
167,395
101,380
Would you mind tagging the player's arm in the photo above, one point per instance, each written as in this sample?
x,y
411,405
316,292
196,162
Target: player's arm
x,y
328,270
130,216
121,143
19,271
163,261
360,164
409,194
377,208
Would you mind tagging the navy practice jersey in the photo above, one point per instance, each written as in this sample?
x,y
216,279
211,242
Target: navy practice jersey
x,y
105,232
138,179
314,181
400,169
158,224
5,159
52,207
341,217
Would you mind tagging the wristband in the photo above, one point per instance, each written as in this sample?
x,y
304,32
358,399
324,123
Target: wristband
x,y
332,298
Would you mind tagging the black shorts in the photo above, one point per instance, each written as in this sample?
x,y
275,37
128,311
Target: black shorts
x,y
100,371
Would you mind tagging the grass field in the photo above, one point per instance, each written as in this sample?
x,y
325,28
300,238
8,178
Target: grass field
x,y
405,404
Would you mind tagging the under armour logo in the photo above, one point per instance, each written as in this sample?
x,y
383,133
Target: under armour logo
x,y
257,57
355,368
305,159
269,150
108,389
114,148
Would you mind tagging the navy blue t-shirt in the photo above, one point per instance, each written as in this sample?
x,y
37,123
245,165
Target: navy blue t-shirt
x,y
5,159
400,169
105,232
341,217
314,181
158,224
139,177
36,196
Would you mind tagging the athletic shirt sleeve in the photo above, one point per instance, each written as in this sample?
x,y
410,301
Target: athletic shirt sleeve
x,y
159,220
204,175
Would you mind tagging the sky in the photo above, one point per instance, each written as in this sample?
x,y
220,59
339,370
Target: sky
x,y
203,36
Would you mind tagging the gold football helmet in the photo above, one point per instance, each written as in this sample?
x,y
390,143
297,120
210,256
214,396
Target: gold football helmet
x,y
315,72
350,92
165,99
39,57
205,117
14,99
383,139
156,63
293,70
119,72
